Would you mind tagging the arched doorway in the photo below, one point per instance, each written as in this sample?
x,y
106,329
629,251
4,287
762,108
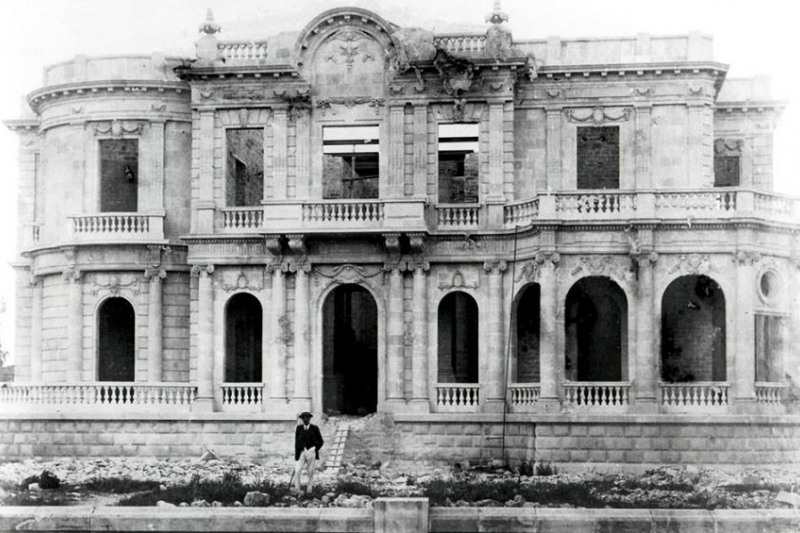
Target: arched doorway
x,y
458,339
116,341
350,351
693,331
527,314
243,323
596,331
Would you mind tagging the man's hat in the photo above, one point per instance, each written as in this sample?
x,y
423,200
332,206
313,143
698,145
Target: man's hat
x,y
305,414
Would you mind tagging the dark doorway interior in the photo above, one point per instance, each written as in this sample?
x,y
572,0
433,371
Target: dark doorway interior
x,y
116,353
693,331
119,175
596,330
350,351
458,339
243,323
527,340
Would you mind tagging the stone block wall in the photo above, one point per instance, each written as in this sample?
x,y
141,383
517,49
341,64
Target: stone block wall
x,y
54,328
175,359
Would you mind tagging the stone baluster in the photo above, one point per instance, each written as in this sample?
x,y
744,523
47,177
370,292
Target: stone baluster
x,y
419,362
647,359
277,325
36,330
205,337
548,338
394,342
301,338
75,328
155,324
495,356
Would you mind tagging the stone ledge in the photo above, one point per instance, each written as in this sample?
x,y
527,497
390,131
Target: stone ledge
x,y
122,416
604,418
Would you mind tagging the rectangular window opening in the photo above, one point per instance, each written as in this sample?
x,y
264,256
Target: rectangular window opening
x,y
351,162
598,157
769,346
458,163
119,175
244,178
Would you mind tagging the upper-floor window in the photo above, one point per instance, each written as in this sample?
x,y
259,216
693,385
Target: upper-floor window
x,y
598,157
119,175
727,159
458,163
351,162
244,175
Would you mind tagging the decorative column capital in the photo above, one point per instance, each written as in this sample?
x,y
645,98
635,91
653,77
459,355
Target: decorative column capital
x,y
396,267
745,258
72,274
420,267
295,267
155,275
497,267
34,280
202,271
645,259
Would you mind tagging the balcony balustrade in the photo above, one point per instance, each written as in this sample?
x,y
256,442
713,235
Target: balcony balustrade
x,y
455,216
243,218
698,396
116,227
458,397
242,396
523,396
770,393
596,394
245,51
155,397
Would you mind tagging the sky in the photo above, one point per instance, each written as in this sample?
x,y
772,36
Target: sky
x,y
753,38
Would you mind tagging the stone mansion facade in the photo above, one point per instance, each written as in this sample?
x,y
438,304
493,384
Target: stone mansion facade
x,y
578,237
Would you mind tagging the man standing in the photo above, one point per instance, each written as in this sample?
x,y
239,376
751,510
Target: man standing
x,y
307,442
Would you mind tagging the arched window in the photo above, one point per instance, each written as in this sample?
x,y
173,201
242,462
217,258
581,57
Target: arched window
x,y
693,331
116,341
243,323
458,339
527,316
596,331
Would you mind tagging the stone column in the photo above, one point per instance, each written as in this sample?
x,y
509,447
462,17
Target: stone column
x,y
548,346
421,150
644,118
204,205
419,362
205,337
744,373
493,384
155,325
394,335
75,326
396,151
280,136
36,330
647,359
277,350
301,338
553,148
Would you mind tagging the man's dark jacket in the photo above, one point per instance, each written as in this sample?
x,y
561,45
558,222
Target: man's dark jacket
x,y
307,438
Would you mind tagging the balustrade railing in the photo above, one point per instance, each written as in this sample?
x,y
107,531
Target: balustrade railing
x,y
461,43
770,204
457,216
344,211
111,223
521,213
695,395
690,202
241,51
243,218
769,393
596,203
458,396
523,394
242,394
597,394
98,393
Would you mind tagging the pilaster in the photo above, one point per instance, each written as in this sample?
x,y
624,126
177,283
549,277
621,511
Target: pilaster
x,y
495,193
644,119
155,200
36,330
205,338
419,362
394,336
204,207
155,324
75,329
548,351
396,151
302,154
495,356
301,339
553,148
280,135
645,382
744,393
421,150
277,349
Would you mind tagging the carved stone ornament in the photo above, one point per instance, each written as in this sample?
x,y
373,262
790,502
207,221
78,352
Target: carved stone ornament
x,y
728,147
114,286
119,128
459,111
202,270
745,258
350,49
601,265
72,274
530,271
297,245
155,274
248,95
273,245
242,283
417,242
457,280
347,273
692,264
497,267
597,116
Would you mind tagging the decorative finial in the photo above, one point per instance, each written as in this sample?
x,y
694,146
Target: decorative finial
x,y
497,16
209,27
